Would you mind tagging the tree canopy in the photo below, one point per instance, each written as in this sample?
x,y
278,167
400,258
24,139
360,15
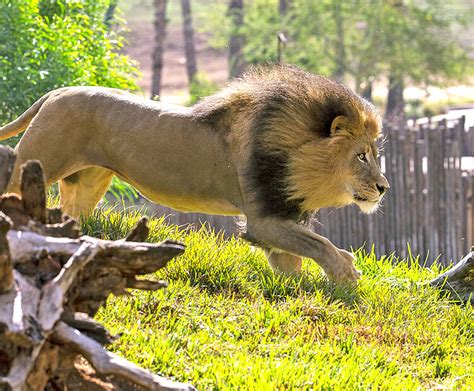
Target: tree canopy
x,y
49,44
360,40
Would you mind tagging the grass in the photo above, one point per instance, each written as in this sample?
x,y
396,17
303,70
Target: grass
x,y
227,322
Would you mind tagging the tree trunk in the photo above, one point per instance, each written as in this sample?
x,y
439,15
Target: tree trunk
x,y
160,34
367,91
395,110
190,49
283,7
237,63
109,14
340,48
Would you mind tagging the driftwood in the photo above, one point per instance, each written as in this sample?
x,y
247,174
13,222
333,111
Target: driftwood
x,y
459,280
53,281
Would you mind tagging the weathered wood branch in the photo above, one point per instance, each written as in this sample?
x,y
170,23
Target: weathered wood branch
x,y
21,368
54,292
107,363
88,326
146,284
7,160
459,280
129,257
6,267
33,190
140,232
51,284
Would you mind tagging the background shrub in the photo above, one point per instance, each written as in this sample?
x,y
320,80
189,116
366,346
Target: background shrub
x,y
54,43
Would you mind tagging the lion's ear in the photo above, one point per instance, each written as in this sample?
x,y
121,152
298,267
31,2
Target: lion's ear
x,y
339,124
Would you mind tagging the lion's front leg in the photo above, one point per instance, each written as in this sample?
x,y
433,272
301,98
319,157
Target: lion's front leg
x,y
288,236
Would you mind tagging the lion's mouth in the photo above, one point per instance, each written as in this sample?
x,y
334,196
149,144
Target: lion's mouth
x,y
359,198
366,204
364,199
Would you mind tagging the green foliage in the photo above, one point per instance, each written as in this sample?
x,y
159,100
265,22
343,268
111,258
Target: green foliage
x,y
227,322
426,42
49,44
122,190
201,87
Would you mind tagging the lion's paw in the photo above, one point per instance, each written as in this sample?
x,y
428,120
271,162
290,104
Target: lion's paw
x,y
342,269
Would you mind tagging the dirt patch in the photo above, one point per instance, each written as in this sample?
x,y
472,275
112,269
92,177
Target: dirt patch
x,y
211,62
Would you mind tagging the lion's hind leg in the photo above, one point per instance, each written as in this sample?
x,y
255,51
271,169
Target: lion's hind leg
x,y
283,262
81,192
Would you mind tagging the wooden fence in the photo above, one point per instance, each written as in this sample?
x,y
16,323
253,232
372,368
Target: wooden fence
x,y
428,210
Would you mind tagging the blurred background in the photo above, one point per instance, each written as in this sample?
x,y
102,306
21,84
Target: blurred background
x,y
413,59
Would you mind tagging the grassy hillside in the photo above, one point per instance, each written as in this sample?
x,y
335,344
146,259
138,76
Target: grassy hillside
x,y
227,322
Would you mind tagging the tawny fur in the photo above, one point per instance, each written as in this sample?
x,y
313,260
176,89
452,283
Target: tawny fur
x,y
274,145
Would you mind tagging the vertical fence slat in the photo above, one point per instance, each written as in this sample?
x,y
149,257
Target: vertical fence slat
x,y
419,190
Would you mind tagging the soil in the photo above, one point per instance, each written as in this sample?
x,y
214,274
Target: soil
x,y
211,62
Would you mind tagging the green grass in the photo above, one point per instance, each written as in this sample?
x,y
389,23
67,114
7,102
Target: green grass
x,y
227,322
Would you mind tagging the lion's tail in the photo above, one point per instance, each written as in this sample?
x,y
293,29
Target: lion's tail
x,y
22,122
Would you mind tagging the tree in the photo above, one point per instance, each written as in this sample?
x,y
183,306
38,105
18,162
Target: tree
x,y
340,68
158,50
395,107
46,45
283,7
190,49
237,63
109,14
404,41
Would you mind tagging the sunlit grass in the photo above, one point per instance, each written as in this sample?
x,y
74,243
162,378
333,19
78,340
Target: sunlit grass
x,y
227,322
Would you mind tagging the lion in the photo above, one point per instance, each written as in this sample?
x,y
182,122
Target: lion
x,y
275,145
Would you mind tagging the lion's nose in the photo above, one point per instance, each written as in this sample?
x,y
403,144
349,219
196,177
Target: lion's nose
x,y
380,188
382,185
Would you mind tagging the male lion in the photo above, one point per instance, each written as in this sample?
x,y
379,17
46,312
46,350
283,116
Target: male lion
x,y
275,145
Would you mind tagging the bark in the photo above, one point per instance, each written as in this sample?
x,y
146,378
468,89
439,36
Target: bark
x,y
395,110
281,45
190,49
7,160
159,47
109,14
340,70
283,7
51,287
33,191
459,280
6,266
237,63
367,92
282,39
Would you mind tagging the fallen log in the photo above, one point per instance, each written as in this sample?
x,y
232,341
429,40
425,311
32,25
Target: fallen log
x,y
53,281
459,280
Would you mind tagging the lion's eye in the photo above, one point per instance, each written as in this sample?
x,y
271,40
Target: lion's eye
x,y
362,157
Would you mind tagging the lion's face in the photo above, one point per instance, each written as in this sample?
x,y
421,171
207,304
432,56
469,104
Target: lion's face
x,y
341,169
366,184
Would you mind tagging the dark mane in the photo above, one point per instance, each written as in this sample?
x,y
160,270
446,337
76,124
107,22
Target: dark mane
x,y
288,106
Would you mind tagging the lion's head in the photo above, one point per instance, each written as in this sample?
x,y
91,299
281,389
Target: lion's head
x,y
342,168
313,140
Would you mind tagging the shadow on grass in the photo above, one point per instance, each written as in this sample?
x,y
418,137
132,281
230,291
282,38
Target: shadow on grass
x,y
216,265
249,280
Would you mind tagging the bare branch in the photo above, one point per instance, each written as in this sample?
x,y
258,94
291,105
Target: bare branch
x,y
140,232
7,161
145,284
33,190
107,363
